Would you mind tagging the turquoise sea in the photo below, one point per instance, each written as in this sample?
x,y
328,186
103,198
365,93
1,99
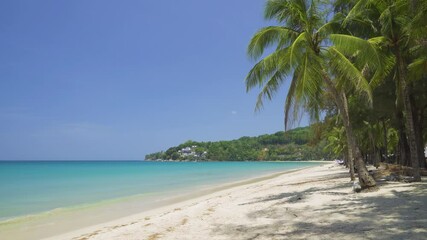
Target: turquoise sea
x,y
34,187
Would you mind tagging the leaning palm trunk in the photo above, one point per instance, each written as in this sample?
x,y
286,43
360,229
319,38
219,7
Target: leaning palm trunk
x,y
366,180
350,163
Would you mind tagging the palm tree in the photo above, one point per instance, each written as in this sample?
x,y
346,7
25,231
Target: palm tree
x,y
303,53
399,32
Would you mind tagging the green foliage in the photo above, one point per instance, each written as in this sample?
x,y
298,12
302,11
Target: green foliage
x,y
290,145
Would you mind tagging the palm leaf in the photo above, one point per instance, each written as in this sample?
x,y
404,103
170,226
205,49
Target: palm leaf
x,y
356,11
290,101
418,68
265,68
267,37
362,50
294,53
345,68
269,89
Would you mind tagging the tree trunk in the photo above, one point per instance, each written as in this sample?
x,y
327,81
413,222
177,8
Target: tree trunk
x,y
403,155
350,163
365,180
408,115
419,137
385,141
377,158
373,156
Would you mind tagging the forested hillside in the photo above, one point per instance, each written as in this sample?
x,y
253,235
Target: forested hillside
x,y
292,145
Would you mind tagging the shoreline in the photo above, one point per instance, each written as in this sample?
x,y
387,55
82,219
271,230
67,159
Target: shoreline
x,y
176,203
311,203
12,228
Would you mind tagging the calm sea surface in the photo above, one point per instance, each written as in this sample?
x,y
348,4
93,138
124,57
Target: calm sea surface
x,y
35,187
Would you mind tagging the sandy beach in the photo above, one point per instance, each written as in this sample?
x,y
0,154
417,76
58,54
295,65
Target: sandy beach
x,y
312,203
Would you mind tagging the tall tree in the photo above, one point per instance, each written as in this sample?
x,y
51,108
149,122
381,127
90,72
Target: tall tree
x,y
399,23
303,54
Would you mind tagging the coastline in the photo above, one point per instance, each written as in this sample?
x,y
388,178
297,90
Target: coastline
x,y
59,221
310,203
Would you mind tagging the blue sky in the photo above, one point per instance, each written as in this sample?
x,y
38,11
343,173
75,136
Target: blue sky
x,y
105,80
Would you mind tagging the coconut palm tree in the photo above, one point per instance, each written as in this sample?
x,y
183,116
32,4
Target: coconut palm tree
x,y
303,54
401,32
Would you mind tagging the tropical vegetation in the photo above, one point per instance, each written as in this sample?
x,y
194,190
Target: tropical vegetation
x,y
357,67
293,145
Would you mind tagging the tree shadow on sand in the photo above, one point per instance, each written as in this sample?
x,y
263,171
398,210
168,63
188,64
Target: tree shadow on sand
x,y
292,197
399,216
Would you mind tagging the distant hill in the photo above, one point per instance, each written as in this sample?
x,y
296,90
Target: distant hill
x,y
292,145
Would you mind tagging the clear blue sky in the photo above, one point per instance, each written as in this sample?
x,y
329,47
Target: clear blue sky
x,y
104,80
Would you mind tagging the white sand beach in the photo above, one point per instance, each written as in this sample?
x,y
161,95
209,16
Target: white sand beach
x,y
312,203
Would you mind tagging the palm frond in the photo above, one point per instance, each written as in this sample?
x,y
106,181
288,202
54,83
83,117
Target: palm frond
x,y
290,102
354,13
278,10
418,68
310,79
270,88
265,68
363,51
294,52
329,27
267,37
387,23
292,13
380,74
348,71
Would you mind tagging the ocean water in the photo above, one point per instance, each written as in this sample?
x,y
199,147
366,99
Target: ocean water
x,y
28,188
